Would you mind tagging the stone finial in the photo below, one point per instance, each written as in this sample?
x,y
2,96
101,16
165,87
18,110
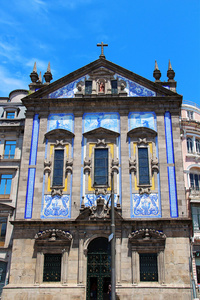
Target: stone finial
x,y
156,65
170,72
156,72
35,68
47,75
40,78
49,68
34,74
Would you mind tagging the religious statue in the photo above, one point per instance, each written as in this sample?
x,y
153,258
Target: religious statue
x,y
101,87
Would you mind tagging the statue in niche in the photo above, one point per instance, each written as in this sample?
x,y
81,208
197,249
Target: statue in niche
x,y
102,87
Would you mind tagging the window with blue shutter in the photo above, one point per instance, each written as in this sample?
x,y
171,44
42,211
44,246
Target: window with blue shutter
x,y
5,184
9,151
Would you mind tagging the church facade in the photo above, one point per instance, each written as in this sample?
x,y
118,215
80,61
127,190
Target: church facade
x,y
100,120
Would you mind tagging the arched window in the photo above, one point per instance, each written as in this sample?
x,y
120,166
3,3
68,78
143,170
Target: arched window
x,y
189,145
197,141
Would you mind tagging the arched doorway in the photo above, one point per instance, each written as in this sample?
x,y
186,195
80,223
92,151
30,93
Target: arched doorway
x,y
98,269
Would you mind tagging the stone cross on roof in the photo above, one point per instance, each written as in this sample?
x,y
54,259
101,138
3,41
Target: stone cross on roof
x,y
102,45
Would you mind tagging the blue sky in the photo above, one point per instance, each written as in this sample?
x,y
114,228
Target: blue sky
x,y
65,32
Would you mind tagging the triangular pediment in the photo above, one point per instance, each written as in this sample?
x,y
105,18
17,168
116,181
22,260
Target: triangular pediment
x,y
59,134
101,133
73,84
142,132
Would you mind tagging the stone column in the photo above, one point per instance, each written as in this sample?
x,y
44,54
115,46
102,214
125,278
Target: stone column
x,y
64,266
161,267
39,268
135,266
94,87
118,257
80,258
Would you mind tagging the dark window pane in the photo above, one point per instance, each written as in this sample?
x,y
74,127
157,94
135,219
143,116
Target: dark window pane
x,y
143,162
52,267
114,87
88,87
58,167
148,267
101,167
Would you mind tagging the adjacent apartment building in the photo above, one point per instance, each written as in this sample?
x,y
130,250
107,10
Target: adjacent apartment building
x,y
12,119
190,133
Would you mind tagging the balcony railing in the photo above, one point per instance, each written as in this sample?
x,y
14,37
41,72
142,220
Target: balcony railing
x,y
187,102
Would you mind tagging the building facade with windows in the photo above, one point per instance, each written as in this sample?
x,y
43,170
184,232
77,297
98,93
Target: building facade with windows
x,y
190,127
12,118
100,120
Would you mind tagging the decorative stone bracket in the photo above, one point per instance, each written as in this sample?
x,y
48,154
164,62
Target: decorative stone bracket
x,y
145,191
100,143
115,165
132,165
69,164
142,141
99,191
47,166
59,143
154,165
57,192
87,166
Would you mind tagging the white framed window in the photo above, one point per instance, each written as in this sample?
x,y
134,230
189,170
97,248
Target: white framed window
x,y
197,143
190,115
190,146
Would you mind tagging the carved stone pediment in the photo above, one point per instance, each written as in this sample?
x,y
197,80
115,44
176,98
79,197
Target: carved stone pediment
x,y
101,72
150,238
100,211
59,134
101,133
53,235
142,132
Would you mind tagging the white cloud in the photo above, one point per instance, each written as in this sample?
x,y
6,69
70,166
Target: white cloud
x,y
9,83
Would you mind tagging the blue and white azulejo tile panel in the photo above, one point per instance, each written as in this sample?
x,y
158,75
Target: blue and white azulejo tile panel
x,y
169,138
142,119
34,140
30,193
67,91
172,192
55,207
145,206
133,89
61,121
109,121
90,199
